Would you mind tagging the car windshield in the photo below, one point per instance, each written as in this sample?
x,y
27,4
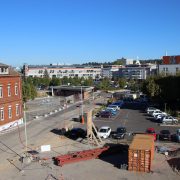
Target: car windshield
x,y
151,108
103,130
121,130
165,132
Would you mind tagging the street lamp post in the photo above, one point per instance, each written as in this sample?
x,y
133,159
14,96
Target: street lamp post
x,y
165,107
25,127
82,116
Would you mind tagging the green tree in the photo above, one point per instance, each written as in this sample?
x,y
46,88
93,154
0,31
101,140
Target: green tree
x,y
55,81
88,82
104,84
28,89
122,82
65,80
46,74
36,81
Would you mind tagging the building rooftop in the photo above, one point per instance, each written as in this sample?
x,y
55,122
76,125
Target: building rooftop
x,y
74,88
9,70
3,65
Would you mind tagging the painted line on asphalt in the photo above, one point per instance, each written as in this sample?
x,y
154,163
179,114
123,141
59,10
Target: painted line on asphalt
x,y
125,119
104,120
170,125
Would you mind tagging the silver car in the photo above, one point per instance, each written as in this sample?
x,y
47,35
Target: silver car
x,y
169,120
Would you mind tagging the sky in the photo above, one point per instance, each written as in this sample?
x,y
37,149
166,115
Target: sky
x,y
80,31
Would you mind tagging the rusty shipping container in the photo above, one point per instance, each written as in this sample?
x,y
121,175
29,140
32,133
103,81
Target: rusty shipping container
x,y
141,153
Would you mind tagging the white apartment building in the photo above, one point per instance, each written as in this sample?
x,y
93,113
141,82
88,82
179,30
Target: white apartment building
x,y
169,69
63,71
109,70
140,72
170,66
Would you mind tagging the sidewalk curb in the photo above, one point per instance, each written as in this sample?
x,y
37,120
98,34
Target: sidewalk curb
x,y
170,125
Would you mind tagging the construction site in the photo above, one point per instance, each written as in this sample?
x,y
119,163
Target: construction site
x,y
49,152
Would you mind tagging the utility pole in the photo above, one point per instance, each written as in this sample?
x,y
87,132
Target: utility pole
x,y
25,127
165,107
82,116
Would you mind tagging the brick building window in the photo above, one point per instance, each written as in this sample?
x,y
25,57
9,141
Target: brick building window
x,y
16,89
9,90
10,112
2,114
17,109
1,91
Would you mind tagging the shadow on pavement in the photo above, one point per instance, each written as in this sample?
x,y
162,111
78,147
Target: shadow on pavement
x,y
134,106
58,131
117,155
174,163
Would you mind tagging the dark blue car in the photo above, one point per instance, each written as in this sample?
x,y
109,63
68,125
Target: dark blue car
x,y
118,103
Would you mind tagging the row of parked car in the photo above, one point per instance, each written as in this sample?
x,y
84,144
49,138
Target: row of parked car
x,y
103,132
120,133
160,116
111,110
164,134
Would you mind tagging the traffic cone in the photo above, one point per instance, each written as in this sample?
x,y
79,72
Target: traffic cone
x,y
82,120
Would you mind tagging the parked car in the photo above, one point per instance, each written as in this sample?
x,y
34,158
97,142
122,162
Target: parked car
x,y
105,114
104,132
116,107
169,120
157,112
119,133
150,110
165,135
97,114
113,113
76,133
118,103
159,117
112,108
178,135
151,131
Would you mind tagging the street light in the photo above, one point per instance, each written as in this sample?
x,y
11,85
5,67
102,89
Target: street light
x,y
25,127
165,107
82,116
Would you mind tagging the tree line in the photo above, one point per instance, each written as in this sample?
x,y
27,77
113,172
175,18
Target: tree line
x,y
30,85
164,89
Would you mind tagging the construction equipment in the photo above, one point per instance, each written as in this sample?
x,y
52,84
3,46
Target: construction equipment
x,y
79,156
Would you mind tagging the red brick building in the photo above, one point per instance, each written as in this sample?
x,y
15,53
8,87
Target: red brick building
x,y
171,59
11,112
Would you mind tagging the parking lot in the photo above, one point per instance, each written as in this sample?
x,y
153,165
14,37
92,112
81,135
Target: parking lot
x,y
134,117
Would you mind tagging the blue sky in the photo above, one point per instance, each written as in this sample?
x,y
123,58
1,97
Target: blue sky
x,y
78,31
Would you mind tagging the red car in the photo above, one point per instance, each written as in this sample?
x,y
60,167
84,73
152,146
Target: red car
x,y
151,131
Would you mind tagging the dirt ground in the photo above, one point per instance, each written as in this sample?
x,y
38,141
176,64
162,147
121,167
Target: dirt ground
x,y
105,168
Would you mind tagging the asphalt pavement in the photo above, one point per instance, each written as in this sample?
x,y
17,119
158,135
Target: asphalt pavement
x,y
134,118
